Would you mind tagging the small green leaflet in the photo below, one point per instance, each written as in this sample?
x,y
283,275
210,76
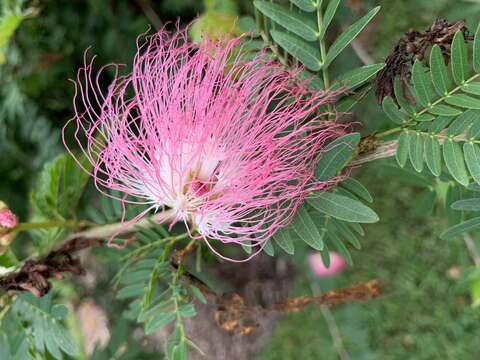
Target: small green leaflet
x,y
461,228
343,208
439,71
297,23
336,156
416,146
306,229
472,204
476,50
392,111
283,238
328,16
433,155
472,158
459,62
358,189
422,84
354,78
453,155
306,53
348,35
403,146
305,5
464,101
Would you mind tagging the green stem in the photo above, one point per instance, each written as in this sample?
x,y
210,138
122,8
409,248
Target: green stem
x,y
50,224
323,51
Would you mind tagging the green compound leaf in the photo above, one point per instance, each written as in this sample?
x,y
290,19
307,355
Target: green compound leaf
x,y
305,5
328,16
416,147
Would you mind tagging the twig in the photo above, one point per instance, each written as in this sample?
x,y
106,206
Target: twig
x,y
150,13
472,249
361,52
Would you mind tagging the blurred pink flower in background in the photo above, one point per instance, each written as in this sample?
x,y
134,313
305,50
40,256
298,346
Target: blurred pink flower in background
x,y
337,264
8,220
229,144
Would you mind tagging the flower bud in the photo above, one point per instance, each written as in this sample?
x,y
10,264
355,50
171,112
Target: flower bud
x,y
337,264
8,221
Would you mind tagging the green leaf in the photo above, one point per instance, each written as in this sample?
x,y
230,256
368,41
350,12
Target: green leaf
x,y
358,189
433,155
305,5
343,208
476,50
444,110
452,153
159,321
341,248
461,228
306,53
328,16
400,97
439,71
416,146
392,111
439,124
471,88
268,248
424,117
297,23
306,229
346,233
472,158
422,84
348,35
403,146
354,78
461,123
472,204
283,238
336,156
464,101
473,130
198,294
459,59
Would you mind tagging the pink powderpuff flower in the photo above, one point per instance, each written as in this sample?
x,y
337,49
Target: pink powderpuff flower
x,y
319,270
229,144
8,220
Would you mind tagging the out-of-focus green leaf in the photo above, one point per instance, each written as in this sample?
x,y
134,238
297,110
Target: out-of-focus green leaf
x,y
461,228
